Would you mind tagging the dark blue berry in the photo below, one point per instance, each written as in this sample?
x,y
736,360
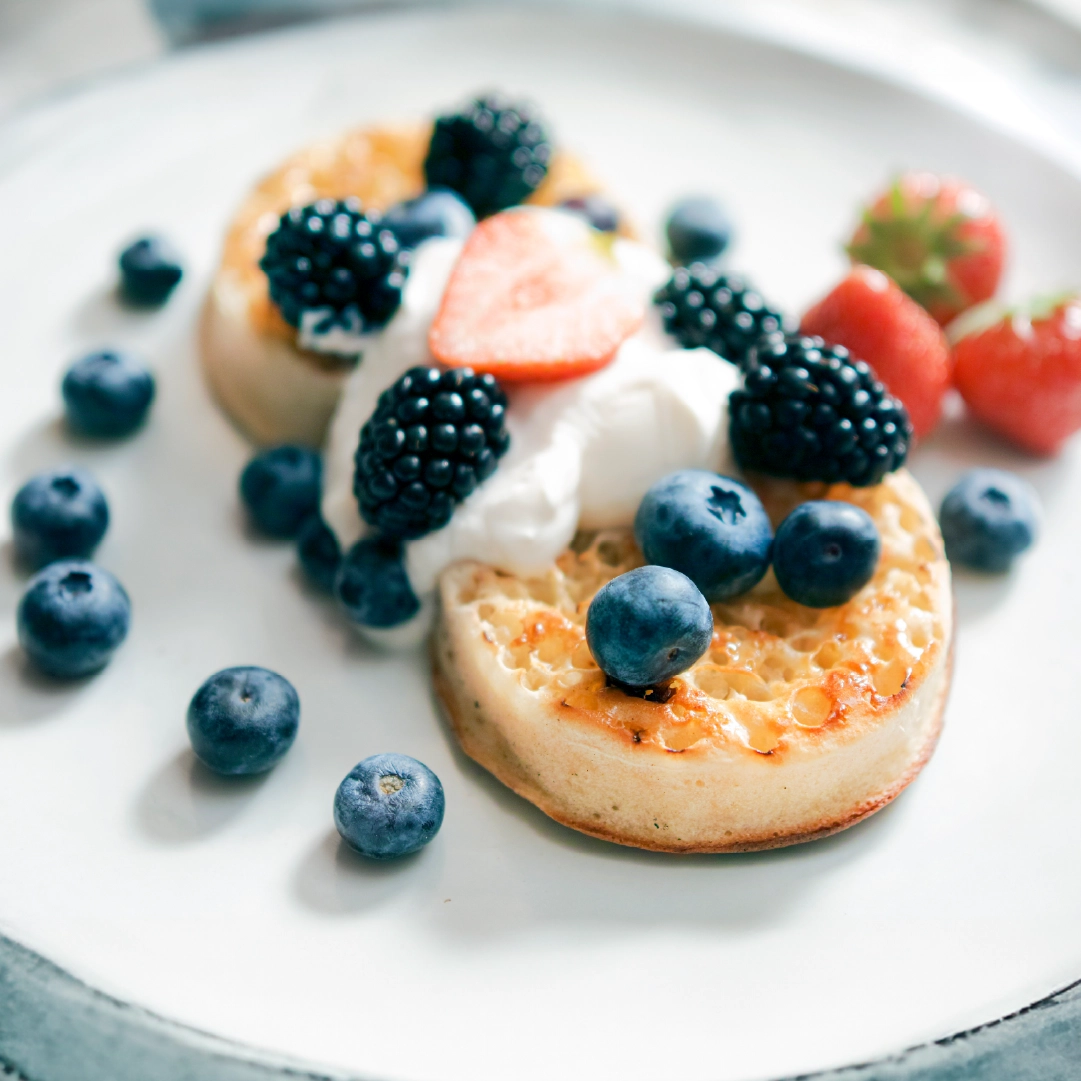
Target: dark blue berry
x,y
438,212
701,307
825,552
988,518
59,514
281,489
648,625
597,210
698,230
711,528
107,394
243,720
494,153
319,552
372,585
149,271
72,618
811,411
333,257
433,437
388,806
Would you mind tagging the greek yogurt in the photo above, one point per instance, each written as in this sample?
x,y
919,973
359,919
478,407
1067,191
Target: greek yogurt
x,y
583,451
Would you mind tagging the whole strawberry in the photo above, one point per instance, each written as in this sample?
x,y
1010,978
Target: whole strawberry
x,y
869,315
938,238
1022,375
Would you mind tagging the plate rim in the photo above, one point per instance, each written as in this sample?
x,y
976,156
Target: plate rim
x,y
56,1027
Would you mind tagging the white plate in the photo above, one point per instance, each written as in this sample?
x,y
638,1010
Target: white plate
x,y
510,947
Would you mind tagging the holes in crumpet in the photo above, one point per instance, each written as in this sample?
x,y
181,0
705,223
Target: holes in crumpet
x,y
890,678
750,685
811,707
581,657
828,655
684,736
551,648
533,679
711,681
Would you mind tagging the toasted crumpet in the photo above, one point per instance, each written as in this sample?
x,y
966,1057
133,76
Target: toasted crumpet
x,y
796,723
273,390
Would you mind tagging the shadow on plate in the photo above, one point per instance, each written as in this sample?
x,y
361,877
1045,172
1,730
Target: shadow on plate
x,y
978,595
50,443
334,880
961,443
27,695
507,885
104,316
184,801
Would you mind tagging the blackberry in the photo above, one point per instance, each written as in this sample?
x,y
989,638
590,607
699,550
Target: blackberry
x,y
810,411
494,154
333,255
434,436
702,307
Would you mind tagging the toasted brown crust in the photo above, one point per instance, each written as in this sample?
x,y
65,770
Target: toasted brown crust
x,y
457,710
795,724
275,391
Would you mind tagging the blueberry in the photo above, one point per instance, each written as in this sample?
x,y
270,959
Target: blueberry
x,y
72,617
388,806
438,212
600,213
281,489
149,271
711,528
107,394
988,518
698,229
59,514
319,552
372,585
825,552
648,625
243,720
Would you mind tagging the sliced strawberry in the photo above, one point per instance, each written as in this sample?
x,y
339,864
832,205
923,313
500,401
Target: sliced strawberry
x,y
1022,375
869,315
938,238
535,295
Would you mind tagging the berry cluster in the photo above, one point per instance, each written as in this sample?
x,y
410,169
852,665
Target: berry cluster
x,y
434,436
702,307
494,154
810,411
333,255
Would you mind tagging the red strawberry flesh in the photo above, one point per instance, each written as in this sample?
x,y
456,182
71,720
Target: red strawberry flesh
x,y
534,296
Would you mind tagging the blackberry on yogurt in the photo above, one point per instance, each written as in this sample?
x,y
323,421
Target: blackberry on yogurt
x,y
434,436
333,258
701,307
812,411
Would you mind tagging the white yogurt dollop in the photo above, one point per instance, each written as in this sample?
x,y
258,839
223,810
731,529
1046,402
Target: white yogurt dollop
x,y
323,330
582,452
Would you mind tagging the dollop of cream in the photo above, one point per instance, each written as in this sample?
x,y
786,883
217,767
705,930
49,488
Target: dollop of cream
x,y
401,345
582,452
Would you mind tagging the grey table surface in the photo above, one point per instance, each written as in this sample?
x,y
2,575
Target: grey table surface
x,y
55,1028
